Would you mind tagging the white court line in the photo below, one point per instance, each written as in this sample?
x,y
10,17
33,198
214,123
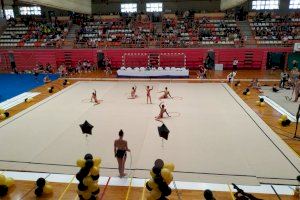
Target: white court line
x,y
136,182
17,100
280,109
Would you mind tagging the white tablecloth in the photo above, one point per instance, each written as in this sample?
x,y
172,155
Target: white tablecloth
x,y
160,72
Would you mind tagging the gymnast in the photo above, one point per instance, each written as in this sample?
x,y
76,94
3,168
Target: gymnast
x,y
165,95
162,111
133,93
120,148
94,97
148,90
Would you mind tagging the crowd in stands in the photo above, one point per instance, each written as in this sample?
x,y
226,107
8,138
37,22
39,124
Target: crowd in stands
x,y
34,32
278,29
182,29
82,66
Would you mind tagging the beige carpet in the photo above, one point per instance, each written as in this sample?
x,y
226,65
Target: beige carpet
x,y
215,137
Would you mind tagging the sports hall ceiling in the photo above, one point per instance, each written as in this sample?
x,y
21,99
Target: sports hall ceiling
x,y
85,6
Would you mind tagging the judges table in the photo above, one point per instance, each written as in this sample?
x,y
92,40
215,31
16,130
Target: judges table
x,y
142,72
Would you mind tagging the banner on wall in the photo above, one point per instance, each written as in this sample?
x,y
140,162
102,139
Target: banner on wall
x,y
228,4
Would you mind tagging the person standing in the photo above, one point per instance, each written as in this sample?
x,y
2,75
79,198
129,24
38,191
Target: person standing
x,y
235,63
120,149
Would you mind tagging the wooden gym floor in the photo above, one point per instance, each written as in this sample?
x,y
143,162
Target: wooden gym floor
x,y
25,189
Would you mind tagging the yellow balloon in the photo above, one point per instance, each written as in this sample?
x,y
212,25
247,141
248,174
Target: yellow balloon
x,y
86,195
156,194
79,192
2,111
94,171
93,187
248,93
258,103
9,182
68,83
48,189
2,179
80,163
152,174
97,161
152,184
283,117
280,121
169,166
2,116
87,181
262,104
167,175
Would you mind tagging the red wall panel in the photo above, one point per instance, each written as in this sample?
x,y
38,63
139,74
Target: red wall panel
x,y
26,59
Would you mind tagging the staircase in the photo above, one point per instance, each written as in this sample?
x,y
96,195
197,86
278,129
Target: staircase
x,y
69,41
246,31
154,60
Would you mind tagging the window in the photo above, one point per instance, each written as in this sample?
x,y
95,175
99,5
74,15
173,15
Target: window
x,y
9,13
128,7
33,10
154,7
265,4
294,4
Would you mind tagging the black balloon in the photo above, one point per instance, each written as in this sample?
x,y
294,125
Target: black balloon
x,y
244,93
82,187
86,128
261,100
38,191
208,195
89,163
159,163
298,178
156,170
88,156
167,191
148,187
95,177
79,177
247,90
84,171
3,190
6,114
41,182
158,180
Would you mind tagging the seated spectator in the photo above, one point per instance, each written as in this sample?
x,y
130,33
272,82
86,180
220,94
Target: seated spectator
x,y
47,79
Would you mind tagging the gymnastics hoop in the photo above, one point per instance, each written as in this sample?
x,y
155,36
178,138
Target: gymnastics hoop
x,y
177,98
174,114
86,101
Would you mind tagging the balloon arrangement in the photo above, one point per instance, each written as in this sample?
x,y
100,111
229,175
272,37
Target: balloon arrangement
x,y
261,102
27,100
3,114
208,195
246,92
88,176
50,89
161,178
238,83
5,184
284,121
42,187
66,82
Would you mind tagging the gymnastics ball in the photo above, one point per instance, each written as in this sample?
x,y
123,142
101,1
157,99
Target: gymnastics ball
x,y
2,110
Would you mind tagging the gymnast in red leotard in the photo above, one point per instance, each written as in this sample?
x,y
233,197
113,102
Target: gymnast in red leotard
x,y
148,90
162,111
165,95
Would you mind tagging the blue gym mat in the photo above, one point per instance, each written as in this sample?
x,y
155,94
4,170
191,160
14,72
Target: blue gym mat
x,y
12,85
